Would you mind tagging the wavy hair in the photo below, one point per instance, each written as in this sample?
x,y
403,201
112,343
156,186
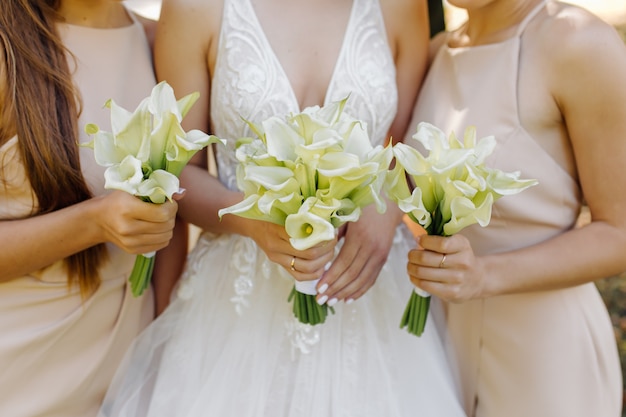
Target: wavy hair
x,y
44,105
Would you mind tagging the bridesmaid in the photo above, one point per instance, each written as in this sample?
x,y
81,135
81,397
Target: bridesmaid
x,y
528,327
67,247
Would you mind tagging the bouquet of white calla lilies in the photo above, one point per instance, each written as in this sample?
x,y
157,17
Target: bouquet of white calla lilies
x,y
453,189
145,153
310,172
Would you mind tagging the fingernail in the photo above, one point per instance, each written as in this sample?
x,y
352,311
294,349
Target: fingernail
x,y
327,266
322,299
349,301
332,302
322,289
181,191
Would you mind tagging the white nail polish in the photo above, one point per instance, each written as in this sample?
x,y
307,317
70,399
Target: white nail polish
x,y
327,266
322,299
322,289
332,302
349,301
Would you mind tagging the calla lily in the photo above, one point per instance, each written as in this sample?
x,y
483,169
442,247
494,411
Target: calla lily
x,y
271,178
125,176
347,211
103,145
465,213
306,230
277,205
357,141
452,190
249,209
183,147
503,183
145,152
327,154
281,139
159,186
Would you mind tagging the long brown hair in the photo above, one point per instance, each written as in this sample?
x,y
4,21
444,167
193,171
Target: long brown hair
x,y
44,103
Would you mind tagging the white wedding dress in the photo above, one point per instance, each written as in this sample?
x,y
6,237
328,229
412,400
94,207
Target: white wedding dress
x,y
228,345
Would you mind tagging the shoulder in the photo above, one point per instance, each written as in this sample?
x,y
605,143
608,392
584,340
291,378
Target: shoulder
x,y
569,34
404,12
572,46
405,19
197,20
192,12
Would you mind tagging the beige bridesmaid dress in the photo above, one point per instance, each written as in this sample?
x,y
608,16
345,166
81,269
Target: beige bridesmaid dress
x,y
540,354
58,353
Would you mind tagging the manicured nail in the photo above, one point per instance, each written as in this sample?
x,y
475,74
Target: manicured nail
x,y
349,301
327,266
322,289
332,302
322,299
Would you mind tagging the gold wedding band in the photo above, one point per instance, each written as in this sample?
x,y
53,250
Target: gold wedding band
x,y
293,263
443,261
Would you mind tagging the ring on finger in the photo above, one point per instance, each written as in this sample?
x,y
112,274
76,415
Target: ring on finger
x,y
293,264
443,261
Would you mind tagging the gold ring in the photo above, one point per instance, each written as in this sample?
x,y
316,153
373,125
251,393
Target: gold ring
x,y
443,261
293,263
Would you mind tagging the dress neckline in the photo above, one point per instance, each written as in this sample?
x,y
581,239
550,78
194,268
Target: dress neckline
x,y
279,65
518,33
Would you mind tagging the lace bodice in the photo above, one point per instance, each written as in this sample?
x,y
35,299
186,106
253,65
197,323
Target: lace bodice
x,y
250,82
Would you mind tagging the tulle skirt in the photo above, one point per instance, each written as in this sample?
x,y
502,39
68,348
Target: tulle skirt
x,y
229,346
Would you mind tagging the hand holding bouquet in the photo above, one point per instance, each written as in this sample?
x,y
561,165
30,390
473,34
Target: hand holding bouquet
x,y
145,153
310,172
452,190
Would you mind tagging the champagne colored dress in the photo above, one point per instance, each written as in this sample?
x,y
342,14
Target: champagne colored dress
x,y
58,353
540,354
228,345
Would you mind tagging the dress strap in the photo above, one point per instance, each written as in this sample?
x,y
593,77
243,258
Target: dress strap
x,y
522,27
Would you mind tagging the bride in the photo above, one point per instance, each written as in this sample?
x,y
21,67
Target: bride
x,y
228,344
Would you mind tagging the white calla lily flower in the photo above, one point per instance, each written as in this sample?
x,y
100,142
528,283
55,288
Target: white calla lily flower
x,y
159,186
125,176
145,152
306,230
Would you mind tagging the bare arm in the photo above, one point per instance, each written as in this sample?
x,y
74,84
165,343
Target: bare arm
x,y
585,76
30,244
185,52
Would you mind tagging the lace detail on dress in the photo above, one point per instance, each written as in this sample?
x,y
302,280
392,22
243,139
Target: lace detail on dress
x,y
249,81
302,336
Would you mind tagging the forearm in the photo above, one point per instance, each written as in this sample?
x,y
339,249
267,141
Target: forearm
x,y
27,245
576,257
169,265
204,197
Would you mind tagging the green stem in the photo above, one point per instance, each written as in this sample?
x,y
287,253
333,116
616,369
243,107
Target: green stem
x,y
141,274
415,314
306,309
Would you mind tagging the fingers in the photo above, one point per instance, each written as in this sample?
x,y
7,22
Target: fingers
x,y
303,269
136,226
446,267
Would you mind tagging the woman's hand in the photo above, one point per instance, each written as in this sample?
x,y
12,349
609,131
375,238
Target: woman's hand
x,y
367,243
447,268
304,265
134,225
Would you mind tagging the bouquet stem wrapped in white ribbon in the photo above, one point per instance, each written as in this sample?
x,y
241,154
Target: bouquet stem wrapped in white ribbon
x,y
310,172
145,153
452,189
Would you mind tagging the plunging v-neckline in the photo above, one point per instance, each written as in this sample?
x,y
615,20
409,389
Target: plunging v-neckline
x,y
264,39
